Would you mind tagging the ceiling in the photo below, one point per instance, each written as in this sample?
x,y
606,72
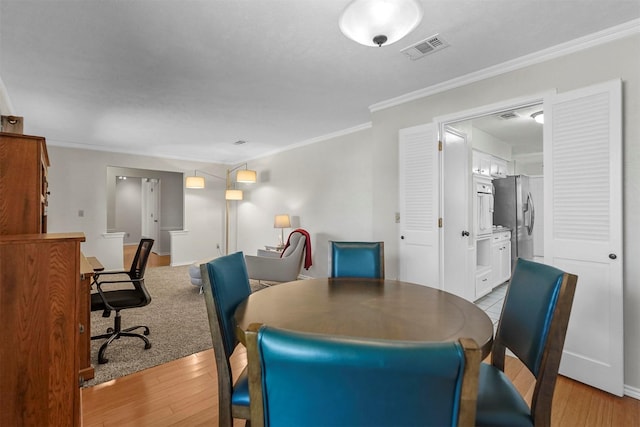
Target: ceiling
x,y
188,78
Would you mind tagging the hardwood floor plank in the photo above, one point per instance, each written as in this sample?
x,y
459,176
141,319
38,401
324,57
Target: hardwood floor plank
x,y
184,393
575,413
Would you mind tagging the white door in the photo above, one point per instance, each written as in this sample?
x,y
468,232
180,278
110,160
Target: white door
x,y
418,192
457,236
151,209
583,226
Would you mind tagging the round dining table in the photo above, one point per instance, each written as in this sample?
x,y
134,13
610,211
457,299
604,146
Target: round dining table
x,y
366,308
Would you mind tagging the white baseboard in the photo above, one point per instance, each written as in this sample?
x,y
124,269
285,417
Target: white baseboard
x,y
632,392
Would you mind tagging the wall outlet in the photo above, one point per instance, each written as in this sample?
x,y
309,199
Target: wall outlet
x,y
81,213
397,217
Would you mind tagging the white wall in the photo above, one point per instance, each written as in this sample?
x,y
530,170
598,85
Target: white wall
x,y
325,187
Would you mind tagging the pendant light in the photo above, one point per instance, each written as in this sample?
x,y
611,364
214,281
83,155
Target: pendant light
x,y
378,22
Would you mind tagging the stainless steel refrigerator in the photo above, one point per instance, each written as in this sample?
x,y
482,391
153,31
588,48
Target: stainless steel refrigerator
x,y
514,209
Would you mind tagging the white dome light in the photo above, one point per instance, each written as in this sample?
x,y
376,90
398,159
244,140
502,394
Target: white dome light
x,y
378,22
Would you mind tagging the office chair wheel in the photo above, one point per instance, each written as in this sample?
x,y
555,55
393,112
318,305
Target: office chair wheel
x,y
147,346
146,331
109,330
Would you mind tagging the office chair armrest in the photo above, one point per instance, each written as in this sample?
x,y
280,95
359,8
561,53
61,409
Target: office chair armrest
x,y
104,298
98,274
103,282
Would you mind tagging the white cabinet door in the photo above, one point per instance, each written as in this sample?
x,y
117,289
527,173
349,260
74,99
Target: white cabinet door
x,y
505,261
498,167
481,163
500,258
583,226
419,248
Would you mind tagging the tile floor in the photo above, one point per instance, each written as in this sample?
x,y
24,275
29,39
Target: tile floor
x,y
492,303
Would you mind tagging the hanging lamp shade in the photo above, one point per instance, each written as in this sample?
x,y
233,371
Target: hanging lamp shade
x,y
378,22
233,195
195,182
246,176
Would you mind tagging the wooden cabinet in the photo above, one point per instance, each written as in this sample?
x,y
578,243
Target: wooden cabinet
x,y
23,184
39,300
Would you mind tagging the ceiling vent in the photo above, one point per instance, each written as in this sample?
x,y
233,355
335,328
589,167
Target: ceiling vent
x,y
508,115
425,47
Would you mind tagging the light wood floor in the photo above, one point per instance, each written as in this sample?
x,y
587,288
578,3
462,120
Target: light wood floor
x,y
154,260
184,393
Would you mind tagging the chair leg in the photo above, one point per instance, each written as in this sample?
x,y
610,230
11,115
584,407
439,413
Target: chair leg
x,y
116,332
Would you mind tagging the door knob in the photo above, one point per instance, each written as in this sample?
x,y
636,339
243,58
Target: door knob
x,y
613,256
465,233
402,237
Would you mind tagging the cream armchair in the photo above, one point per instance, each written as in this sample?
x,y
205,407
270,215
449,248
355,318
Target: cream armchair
x,y
281,269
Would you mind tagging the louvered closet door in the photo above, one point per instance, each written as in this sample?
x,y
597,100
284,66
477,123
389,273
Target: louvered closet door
x,y
583,226
418,192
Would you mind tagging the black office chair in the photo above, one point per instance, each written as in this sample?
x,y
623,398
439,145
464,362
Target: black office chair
x,y
122,298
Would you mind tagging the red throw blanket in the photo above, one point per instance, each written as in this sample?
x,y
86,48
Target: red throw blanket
x,y
307,246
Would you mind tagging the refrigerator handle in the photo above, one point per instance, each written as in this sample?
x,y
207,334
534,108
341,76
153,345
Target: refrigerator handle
x,y
532,213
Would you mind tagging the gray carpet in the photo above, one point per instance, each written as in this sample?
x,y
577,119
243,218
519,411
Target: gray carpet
x,y
177,318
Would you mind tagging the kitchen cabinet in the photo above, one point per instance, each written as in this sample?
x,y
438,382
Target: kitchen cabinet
x,y
487,165
500,257
498,167
483,282
483,273
481,163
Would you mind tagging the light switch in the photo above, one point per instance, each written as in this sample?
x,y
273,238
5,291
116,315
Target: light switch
x,y
81,213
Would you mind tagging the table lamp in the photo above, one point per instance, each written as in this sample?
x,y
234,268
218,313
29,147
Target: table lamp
x,y
281,221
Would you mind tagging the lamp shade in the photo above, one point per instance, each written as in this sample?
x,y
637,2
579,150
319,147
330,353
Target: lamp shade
x,y
378,22
195,182
246,176
233,195
282,221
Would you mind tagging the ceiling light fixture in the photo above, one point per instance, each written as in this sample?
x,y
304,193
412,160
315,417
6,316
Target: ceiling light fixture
x,y
378,22
538,116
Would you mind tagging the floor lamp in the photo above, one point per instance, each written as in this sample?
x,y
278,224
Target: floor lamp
x,y
242,175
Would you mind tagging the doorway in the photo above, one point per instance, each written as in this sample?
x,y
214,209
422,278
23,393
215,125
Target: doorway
x,y
162,199
479,146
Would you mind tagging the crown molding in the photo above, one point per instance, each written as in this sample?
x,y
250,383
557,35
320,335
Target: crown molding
x,y
326,137
605,36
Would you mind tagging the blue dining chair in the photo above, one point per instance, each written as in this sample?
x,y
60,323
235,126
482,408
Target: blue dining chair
x,y
533,326
225,284
302,379
357,259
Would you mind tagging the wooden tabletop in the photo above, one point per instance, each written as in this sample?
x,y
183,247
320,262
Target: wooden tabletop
x,y
368,308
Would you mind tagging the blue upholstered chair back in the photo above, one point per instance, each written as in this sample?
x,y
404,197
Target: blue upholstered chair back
x,y
318,380
357,259
528,311
230,285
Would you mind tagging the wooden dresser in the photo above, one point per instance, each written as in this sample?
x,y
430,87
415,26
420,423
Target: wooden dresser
x,y
23,184
39,300
43,307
